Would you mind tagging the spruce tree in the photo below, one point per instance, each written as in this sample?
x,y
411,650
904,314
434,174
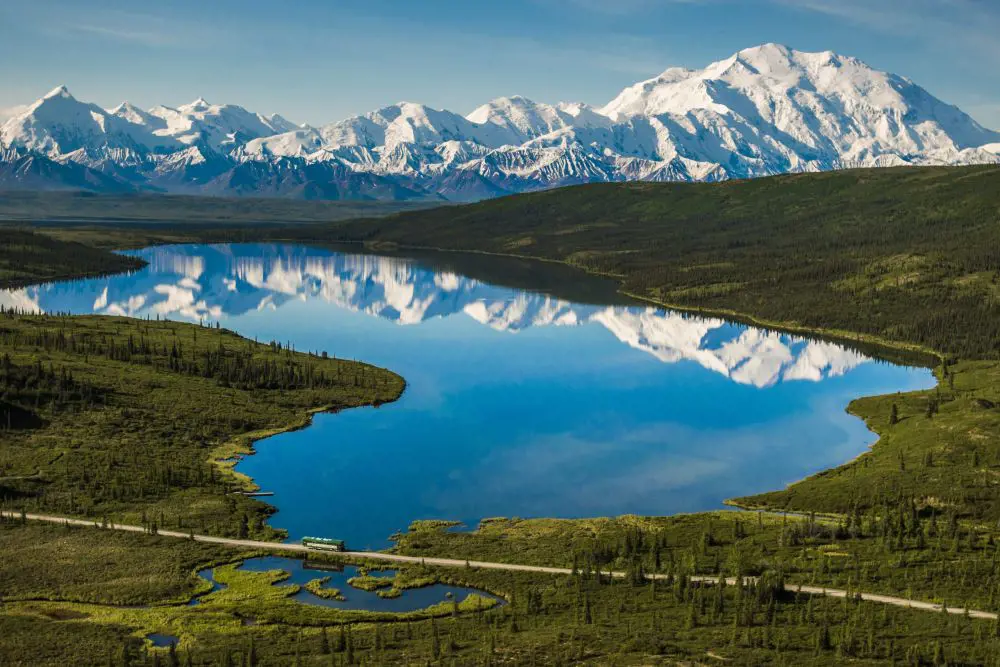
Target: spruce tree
x,y
324,642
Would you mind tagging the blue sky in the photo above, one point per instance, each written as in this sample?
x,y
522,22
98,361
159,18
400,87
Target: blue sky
x,y
317,61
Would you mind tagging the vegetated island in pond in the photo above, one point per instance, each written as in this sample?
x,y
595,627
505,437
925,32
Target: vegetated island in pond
x,y
905,258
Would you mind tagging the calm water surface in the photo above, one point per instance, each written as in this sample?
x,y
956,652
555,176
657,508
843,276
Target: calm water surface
x,y
563,401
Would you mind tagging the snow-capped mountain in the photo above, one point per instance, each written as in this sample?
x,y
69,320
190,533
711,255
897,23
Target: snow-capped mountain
x,y
762,111
218,126
771,106
59,125
229,281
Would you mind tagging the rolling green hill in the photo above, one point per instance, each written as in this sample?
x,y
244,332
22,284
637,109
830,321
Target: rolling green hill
x,y
904,255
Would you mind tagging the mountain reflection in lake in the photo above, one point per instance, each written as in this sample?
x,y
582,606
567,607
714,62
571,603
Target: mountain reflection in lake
x,y
518,402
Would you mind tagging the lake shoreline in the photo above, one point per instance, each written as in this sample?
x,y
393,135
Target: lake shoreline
x,y
230,454
244,445
832,335
743,318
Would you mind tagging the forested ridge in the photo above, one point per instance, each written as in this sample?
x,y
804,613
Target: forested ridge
x,y
906,255
28,257
237,364
901,255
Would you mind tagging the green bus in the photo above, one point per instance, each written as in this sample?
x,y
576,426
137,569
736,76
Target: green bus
x,y
323,544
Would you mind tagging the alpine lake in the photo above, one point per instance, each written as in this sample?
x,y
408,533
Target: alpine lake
x,y
532,389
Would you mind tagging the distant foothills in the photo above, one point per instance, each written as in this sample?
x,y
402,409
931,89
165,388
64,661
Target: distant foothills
x,y
762,111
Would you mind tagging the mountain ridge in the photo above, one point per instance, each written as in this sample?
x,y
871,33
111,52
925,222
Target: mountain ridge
x,y
762,111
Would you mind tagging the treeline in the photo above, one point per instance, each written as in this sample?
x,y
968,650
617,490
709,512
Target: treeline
x,y
237,365
25,389
909,255
28,257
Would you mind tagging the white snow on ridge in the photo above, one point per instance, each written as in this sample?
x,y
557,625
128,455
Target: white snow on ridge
x,y
762,111
216,125
58,124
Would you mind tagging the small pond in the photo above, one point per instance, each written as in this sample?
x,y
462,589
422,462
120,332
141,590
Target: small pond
x,y
302,572
161,640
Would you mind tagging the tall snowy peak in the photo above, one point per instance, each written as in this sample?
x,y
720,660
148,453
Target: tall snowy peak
x,y
410,123
59,124
526,120
133,114
762,111
816,105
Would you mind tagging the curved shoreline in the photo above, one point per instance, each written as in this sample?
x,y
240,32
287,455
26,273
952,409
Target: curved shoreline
x,y
227,455
834,335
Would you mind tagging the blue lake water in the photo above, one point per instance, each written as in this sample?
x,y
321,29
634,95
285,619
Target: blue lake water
x,y
559,401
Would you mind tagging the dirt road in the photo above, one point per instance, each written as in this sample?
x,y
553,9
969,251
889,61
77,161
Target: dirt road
x,y
513,567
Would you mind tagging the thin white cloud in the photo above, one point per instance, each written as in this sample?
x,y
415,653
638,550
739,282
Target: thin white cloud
x,y
972,24
131,35
136,28
619,7
615,51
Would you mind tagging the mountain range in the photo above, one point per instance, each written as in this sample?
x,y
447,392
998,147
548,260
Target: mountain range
x,y
222,282
763,111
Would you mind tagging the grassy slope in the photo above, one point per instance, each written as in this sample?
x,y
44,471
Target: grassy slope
x,y
549,620
110,567
949,461
929,559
